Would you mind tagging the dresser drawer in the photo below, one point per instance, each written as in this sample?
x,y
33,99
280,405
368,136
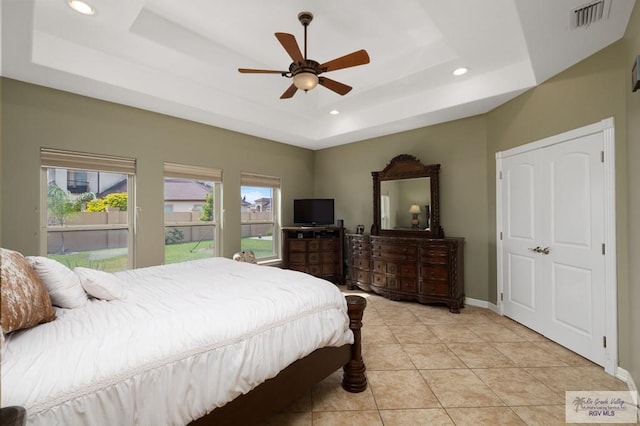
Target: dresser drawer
x,y
361,253
328,268
434,272
358,244
328,256
395,268
410,285
297,245
298,267
434,288
380,280
437,254
313,245
362,276
314,269
387,249
327,244
360,262
297,258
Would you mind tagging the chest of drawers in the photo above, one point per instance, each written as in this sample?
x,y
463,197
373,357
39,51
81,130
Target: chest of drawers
x,y
400,268
316,251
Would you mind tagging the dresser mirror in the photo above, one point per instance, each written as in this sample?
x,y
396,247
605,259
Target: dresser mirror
x,y
406,199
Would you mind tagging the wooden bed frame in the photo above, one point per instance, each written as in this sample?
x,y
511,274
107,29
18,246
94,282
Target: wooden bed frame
x,y
291,383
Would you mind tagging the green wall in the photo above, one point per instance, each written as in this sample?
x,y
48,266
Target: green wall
x,y
631,51
344,173
35,116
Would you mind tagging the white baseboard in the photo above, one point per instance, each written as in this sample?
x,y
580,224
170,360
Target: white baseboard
x,y
481,304
624,375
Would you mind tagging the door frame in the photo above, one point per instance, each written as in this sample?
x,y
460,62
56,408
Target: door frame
x,y
606,127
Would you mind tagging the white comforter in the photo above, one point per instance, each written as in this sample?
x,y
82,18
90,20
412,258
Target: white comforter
x,y
188,338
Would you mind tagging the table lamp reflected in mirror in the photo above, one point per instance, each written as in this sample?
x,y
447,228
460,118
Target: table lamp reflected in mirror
x,y
415,211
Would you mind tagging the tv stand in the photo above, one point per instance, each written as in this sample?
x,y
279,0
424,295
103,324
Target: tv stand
x,y
316,250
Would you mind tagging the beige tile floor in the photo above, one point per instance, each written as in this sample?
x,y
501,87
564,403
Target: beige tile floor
x,y
426,366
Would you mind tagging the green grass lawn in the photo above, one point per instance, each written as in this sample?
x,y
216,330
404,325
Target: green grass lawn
x,y
260,247
112,260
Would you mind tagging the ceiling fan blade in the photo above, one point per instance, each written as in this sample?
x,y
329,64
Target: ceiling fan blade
x,y
288,41
289,92
336,86
353,59
252,71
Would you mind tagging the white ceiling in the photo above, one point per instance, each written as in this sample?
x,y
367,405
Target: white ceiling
x,y
181,57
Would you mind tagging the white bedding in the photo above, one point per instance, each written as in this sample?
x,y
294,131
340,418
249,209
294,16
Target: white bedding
x,y
188,338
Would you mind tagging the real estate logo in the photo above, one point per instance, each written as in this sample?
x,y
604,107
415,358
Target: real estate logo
x,y
601,406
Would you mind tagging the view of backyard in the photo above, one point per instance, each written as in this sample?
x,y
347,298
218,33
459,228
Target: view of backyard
x,y
112,260
89,222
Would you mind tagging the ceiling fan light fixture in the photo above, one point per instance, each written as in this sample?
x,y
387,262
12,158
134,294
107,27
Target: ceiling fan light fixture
x,y
305,80
81,7
460,71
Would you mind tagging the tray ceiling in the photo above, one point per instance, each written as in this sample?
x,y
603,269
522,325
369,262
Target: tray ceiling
x,y
181,57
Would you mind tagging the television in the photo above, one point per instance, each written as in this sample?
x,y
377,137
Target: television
x,y
313,211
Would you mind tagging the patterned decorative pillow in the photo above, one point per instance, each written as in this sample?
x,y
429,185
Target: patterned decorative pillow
x,y
62,284
100,284
25,301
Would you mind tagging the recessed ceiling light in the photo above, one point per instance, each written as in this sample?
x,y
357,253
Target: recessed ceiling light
x,y
460,71
81,7
334,112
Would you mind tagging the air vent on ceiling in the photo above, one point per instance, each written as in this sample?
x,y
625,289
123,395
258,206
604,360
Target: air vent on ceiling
x,y
587,14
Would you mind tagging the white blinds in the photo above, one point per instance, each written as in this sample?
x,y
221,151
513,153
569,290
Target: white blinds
x,y
192,172
251,179
84,161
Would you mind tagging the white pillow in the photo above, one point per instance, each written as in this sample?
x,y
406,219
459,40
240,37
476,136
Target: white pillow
x,y
62,284
100,284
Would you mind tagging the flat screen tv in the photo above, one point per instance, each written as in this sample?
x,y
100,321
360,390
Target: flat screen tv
x,y
313,211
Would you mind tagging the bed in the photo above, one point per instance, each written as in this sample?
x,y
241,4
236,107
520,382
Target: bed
x,y
203,342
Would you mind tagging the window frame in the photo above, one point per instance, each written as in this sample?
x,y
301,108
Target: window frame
x,y
87,162
197,173
248,179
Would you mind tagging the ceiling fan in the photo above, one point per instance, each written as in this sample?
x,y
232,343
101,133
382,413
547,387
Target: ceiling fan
x,y
306,73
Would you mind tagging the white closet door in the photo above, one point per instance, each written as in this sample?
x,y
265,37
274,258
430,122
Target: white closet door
x,y
576,259
522,231
553,231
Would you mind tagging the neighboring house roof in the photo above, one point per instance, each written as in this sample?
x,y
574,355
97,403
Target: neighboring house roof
x,y
245,203
185,190
264,202
118,187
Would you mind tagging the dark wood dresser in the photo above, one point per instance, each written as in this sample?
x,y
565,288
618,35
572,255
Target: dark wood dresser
x,y
429,270
315,250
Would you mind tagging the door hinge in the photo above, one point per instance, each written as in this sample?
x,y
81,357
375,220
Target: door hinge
x,y
604,341
501,297
602,156
500,174
501,235
603,250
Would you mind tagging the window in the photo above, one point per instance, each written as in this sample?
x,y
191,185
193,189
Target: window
x,y
87,209
191,212
260,215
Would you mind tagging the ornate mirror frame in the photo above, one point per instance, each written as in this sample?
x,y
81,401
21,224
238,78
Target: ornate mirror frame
x,y
405,166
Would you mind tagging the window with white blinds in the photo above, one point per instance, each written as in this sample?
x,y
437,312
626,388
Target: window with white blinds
x,y
260,215
192,206
87,209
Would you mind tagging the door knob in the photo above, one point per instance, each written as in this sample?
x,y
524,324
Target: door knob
x,y
538,249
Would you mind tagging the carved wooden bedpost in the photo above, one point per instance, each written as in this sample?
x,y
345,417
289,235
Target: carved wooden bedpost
x,y
354,378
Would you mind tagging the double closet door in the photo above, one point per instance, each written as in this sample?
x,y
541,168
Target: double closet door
x,y
551,223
